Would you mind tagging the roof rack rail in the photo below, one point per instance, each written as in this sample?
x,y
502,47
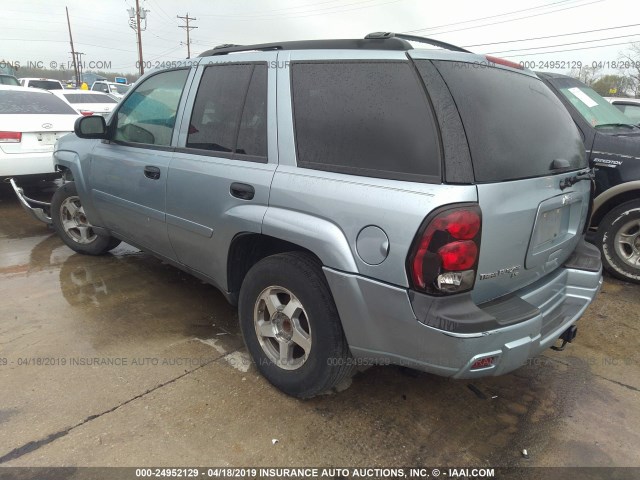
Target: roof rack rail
x,y
226,45
348,44
415,38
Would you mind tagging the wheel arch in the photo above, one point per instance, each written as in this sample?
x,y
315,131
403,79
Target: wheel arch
x,y
247,249
613,197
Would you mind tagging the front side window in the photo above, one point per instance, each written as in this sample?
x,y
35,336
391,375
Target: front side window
x,y
364,118
230,111
149,114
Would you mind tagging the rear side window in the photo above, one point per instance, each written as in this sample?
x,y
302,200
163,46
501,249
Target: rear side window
x,y
364,118
230,111
515,125
12,102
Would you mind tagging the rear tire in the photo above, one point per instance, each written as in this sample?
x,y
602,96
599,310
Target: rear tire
x,y
291,326
618,239
72,225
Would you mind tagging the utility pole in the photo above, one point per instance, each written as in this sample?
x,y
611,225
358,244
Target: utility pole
x,y
188,28
73,53
135,17
77,60
139,37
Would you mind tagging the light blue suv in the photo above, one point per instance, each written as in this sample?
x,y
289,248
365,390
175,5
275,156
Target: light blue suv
x,y
361,201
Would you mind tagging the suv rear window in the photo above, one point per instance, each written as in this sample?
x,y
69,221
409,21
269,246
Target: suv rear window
x,y
364,118
45,84
515,125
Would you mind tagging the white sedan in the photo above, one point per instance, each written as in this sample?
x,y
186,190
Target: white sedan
x,y
629,106
31,120
88,102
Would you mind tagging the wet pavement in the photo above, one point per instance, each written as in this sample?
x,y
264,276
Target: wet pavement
x,y
123,360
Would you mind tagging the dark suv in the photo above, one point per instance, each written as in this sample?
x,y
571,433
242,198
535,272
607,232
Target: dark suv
x,y
361,201
612,142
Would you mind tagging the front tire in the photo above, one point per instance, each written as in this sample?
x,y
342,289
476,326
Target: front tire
x,y
619,241
291,326
72,225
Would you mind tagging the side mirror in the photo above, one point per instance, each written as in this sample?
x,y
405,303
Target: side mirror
x,y
90,127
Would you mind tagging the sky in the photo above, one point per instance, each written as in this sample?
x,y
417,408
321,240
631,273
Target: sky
x,y
36,30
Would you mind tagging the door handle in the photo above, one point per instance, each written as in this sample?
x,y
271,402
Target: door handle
x,y
242,191
152,172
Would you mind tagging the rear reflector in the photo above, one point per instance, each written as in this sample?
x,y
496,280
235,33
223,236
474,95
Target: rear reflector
x,y
10,137
86,113
502,61
482,363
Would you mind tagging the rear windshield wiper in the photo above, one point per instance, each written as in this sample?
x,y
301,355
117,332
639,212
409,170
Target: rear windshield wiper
x,y
569,181
627,125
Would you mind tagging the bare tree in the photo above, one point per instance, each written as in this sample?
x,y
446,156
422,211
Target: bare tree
x,y
587,75
631,68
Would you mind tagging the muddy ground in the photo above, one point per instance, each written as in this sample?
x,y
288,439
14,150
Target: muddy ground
x,y
180,389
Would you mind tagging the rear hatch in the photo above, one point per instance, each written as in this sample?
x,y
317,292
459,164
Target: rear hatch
x,y
523,145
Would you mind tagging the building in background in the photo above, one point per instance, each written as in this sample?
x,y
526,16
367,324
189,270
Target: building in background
x,y
89,78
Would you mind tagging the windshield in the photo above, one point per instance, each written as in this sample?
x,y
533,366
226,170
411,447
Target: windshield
x,y
9,80
121,89
595,109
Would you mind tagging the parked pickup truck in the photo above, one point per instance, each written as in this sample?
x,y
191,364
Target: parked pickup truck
x,y
351,200
612,141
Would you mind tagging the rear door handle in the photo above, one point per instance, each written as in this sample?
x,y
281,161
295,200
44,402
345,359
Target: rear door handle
x,y
152,172
242,191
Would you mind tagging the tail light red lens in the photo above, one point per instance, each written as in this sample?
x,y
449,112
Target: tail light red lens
x,y
444,257
10,137
458,256
86,113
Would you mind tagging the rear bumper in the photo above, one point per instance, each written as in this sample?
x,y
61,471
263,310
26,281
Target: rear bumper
x,y
381,324
17,164
37,209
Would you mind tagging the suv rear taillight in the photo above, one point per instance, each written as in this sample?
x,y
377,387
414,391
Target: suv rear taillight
x,y
10,137
444,256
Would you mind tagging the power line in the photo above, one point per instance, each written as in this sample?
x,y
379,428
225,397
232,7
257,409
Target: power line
x,y
551,36
486,18
562,44
567,50
311,13
509,20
